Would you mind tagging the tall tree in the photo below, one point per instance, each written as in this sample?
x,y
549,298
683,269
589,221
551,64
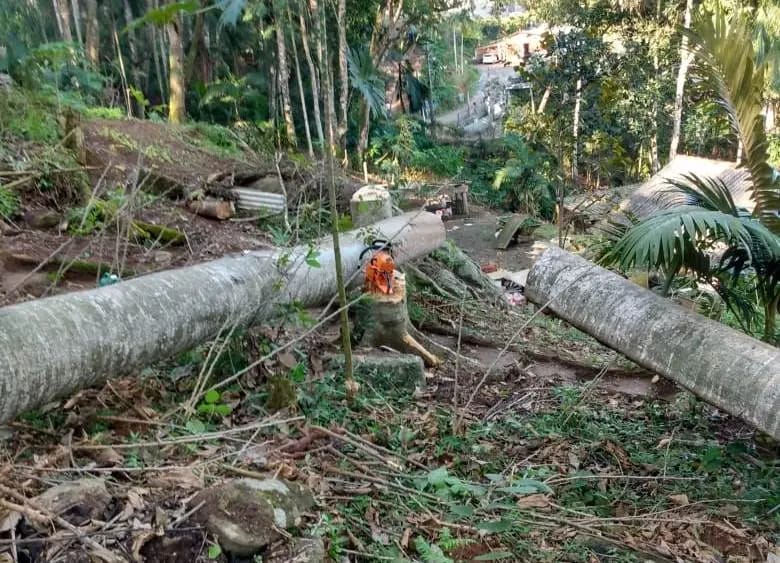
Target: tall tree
x,y
135,67
177,111
301,91
330,118
92,34
62,12
313,75
77,20
685,61
284,71
343,71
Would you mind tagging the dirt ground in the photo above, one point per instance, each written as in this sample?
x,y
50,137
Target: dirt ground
x,y
475,235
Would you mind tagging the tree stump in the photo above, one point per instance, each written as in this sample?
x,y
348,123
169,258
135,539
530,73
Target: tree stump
x,y
386,323
369,205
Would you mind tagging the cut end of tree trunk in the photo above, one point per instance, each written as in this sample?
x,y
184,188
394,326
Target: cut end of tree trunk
x,y
387,323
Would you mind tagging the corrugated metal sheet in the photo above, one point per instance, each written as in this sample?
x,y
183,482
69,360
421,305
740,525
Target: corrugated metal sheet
x,y
255,199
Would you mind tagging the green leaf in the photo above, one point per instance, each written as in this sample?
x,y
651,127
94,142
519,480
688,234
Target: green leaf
x,y
214,551
495,526
211,396
312,258
495,556
223,410
526,487
195,426
205,408
438,477
462,510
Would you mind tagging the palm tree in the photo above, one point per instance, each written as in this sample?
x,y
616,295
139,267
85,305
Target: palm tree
x,y
681,237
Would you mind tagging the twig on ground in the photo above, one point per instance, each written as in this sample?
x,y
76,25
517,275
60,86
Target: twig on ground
x,y
509,343
32,510
190,439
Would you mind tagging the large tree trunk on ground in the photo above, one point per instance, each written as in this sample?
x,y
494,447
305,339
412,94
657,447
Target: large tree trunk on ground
x,y
722,366
55,346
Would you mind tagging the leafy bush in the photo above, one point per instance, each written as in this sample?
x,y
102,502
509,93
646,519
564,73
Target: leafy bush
x,y
9,203
511,175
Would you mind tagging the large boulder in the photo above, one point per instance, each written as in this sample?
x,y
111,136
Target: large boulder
x,y
247,514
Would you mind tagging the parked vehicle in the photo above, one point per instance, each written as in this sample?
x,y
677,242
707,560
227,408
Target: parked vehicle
x,y
489,58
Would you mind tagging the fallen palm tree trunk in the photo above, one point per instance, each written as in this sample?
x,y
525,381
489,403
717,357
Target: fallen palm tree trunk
x,y
55,346
724,367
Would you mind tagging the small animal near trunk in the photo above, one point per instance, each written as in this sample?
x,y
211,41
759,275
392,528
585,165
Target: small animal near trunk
x,y
388,321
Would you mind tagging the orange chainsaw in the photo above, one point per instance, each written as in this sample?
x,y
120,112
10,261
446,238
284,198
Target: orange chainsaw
x,y
380,269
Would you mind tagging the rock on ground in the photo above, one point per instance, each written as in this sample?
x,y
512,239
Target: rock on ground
x,y
298,550
77,501
246,514
387,370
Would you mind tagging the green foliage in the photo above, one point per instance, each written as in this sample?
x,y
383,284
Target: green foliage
x,y
724,47
511,175
430,553
28,115
365,78
212,405
167,13
9,203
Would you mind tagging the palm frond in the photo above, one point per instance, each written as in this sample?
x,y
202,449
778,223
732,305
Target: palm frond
x,y
365,78
677,236
692,189
725,55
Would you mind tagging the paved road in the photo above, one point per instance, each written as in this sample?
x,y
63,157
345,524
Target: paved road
x,y
462,115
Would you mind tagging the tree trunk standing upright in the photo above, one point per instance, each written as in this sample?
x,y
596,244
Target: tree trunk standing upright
x,y
315,81
343,72
77,20
284,72
655,161
196,41
135,70
576,133
153,34
301,90
685,60
92,34
62,11
330,118
176,102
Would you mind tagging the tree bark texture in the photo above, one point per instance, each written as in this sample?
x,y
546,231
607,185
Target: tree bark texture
x,y
685,61
314,78
284,73
92,34
301,90
724,367
77,20
62,11
176,105
55,346
343,71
